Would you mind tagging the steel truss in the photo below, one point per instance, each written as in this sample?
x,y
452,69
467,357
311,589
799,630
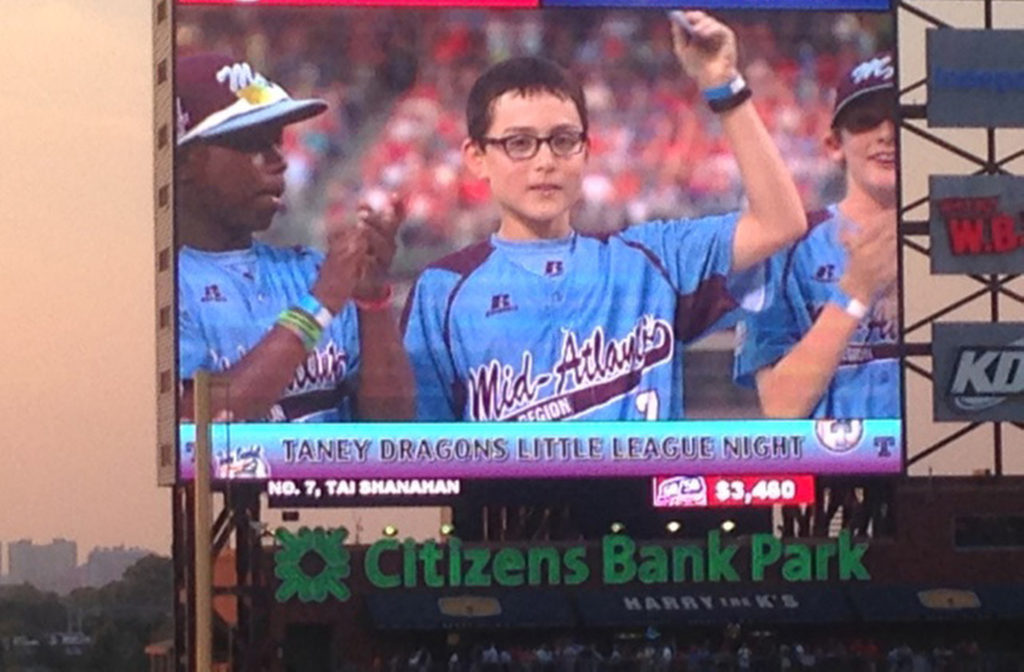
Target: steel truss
x,y
914,231
247,647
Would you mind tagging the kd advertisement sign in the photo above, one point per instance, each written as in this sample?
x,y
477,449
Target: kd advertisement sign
x,y
977,223
975,78
979,371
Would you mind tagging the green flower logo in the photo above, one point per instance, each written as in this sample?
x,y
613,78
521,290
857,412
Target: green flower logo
x,y
312,564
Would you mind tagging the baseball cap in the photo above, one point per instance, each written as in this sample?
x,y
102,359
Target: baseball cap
x,y
871,76
216,96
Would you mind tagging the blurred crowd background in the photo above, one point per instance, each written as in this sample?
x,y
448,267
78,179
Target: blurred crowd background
x,y
734,648
397,81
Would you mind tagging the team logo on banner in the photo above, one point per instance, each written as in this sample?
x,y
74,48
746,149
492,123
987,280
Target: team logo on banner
x,y
249,462
681,491
839,436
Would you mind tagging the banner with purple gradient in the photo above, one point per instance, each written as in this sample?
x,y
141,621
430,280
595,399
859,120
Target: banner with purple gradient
x,y
548,449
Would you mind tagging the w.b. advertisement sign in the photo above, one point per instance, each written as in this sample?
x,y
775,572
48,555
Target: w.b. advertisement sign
x,y
976,223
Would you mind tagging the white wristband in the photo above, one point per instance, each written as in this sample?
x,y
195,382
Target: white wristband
x,y
855,309
851,306
316,310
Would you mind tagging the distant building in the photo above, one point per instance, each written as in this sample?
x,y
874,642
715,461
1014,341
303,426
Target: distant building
x,y
51,567
106,565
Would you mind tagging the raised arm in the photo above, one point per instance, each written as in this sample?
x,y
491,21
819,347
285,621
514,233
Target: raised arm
x,y
774,216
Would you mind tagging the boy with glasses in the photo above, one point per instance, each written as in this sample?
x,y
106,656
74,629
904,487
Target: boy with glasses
x,y
541,323
826,348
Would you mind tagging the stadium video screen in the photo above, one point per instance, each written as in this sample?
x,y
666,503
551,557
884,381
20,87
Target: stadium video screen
x,y
511,240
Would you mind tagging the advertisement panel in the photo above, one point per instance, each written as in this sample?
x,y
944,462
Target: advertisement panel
x,y
460,243
978,372
975,223
975,78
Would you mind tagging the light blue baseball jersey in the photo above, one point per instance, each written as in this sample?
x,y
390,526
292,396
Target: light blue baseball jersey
x,y
581,327
228,301
804,278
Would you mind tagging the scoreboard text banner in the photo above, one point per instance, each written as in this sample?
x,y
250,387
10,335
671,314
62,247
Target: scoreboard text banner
x,y
549,449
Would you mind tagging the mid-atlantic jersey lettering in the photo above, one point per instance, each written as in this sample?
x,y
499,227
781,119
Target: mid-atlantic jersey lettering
x,y
578,328
228,301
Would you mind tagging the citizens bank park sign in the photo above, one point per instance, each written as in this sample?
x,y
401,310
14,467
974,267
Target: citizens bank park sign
x,y
390,564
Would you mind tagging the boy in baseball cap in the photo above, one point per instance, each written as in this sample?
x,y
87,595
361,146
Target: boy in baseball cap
x,y
826,346
216,98
292,334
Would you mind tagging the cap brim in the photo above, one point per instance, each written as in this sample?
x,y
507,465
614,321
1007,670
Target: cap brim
x,y
877,88
281,113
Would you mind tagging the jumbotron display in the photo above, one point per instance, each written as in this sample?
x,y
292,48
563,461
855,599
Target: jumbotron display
x,y
417,244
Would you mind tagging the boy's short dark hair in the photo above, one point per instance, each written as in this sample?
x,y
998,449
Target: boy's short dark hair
x,y
525,75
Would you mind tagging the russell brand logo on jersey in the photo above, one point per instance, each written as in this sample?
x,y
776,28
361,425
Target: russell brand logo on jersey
x,y
826,273
212,293
588,374
500,303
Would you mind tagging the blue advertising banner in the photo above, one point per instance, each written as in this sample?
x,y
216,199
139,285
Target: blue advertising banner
x,y
975,78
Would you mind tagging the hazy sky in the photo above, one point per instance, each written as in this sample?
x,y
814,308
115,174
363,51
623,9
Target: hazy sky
x,y
77,398
77,456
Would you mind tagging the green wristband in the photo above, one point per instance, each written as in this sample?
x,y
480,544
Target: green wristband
x,y
302,325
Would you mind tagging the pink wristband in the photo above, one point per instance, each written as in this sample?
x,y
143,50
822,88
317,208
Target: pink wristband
x,y
382,303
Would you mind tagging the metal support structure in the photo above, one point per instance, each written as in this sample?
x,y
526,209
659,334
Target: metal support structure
x,y
201,532
248,640
194,528
250,643
184,615
913,230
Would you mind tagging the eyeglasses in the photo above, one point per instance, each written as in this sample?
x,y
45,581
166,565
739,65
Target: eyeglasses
x,y
522,146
